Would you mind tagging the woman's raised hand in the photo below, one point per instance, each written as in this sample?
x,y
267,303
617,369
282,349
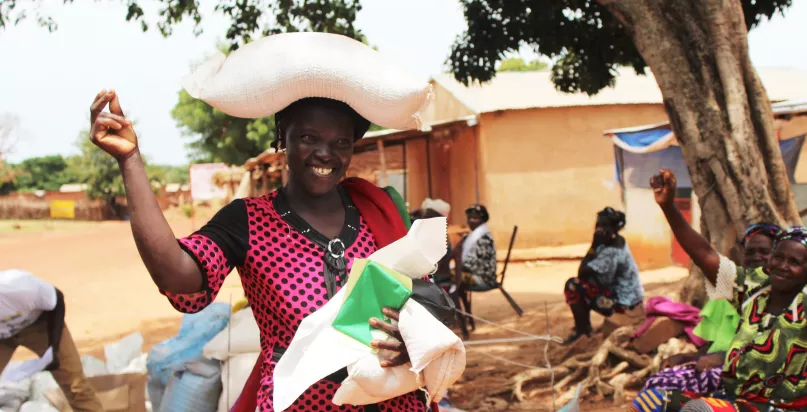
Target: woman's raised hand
x,y
111,131
664,187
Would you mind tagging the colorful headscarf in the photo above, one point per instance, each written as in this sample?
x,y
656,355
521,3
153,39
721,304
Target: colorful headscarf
x,y
768,229
794,233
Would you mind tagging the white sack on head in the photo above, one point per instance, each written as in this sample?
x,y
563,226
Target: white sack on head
x,y
265,76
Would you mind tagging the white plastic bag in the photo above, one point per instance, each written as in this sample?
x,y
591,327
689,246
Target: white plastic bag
x,y
14,394
241,336
120,354
37,406
137,365
93,366
41,383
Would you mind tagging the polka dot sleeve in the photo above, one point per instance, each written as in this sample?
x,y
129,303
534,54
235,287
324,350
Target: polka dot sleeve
x,y
214,268
217,247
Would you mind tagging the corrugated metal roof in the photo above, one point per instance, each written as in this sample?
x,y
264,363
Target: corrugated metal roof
x,y
780,110
790,107
528,90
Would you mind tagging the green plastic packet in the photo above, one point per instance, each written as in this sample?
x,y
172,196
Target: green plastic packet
x,y
370,288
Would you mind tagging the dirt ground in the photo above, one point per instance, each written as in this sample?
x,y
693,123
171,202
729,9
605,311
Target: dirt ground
x,y
109,294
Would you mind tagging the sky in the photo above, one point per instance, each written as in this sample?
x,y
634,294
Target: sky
x,y
49,80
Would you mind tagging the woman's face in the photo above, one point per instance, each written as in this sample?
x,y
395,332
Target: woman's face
x,y
787,266
474,220
319,146
604,228
757,251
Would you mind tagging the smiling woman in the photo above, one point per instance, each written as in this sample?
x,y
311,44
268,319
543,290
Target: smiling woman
x,y
293,248
765,361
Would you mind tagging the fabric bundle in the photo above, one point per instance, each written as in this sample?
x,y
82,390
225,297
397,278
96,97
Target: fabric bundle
x,y
338,335
660,306
265,76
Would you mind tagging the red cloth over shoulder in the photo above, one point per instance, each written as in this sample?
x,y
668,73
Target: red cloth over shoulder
x,y
377,209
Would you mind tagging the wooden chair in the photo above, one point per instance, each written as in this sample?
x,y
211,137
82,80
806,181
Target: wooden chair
x,y
465,295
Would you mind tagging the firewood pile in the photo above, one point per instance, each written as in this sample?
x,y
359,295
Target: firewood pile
x,y
605,372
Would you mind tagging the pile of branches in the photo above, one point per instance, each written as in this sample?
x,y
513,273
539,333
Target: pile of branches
x,y
605,372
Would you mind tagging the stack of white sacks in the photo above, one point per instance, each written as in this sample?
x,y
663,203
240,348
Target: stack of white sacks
x,y
237,347
41,393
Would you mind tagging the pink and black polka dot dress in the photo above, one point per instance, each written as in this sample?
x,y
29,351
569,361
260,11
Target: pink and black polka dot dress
x,y
280,261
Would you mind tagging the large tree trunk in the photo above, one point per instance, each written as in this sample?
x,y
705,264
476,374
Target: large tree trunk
x,y
718,109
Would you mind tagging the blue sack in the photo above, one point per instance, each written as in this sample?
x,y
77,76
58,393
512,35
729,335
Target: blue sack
x,y
197,388
196,330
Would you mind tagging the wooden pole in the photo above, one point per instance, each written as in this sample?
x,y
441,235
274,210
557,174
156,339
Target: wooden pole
x,y
384,181
476,163
405,177
429,163
264,179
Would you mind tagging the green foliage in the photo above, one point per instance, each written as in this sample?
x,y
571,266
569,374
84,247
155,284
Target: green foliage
x,y
97,169
100,171
248,18
165,174
187,210
586,42
219,137
41,173
517,64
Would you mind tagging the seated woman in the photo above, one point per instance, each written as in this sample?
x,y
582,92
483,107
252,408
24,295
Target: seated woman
x,y
475,255
700,372
764,368
431,208
608,278
475,263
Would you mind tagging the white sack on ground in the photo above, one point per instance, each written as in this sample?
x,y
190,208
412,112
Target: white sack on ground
x,y
121,353
241,336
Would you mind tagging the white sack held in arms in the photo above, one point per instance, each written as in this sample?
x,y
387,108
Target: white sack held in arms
x,y
265,76
437,355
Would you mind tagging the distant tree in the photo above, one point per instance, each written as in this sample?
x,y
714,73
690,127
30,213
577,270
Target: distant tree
x,y
517,64
100,171
248,18
218,137
165,174
42,173
698,53
8,127
9,133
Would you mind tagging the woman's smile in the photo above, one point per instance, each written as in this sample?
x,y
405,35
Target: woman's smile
x,y
322,171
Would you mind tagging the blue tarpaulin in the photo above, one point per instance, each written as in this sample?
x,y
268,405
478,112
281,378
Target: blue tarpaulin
x,y
641,152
